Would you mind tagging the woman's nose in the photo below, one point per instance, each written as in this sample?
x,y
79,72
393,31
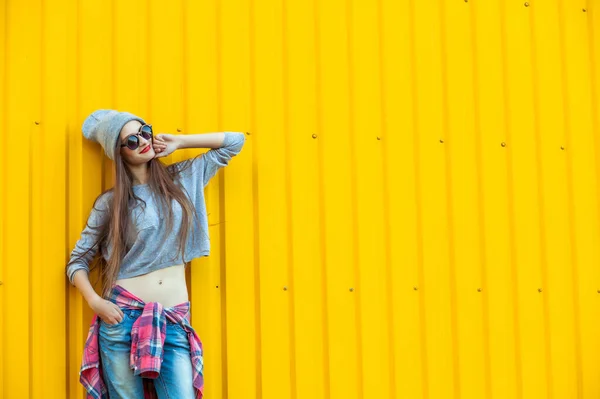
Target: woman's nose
x,y
142,139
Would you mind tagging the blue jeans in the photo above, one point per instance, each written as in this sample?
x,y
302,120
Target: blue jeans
x,y
175,379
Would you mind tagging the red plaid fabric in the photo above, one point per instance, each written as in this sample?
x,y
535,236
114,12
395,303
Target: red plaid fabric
x,y
147,341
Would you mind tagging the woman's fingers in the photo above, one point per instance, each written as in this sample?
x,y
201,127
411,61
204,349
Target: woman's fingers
x,y
110,320
116,319
160,151
119,311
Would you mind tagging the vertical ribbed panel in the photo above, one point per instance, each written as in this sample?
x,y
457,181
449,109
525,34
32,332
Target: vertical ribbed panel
x,y
415,213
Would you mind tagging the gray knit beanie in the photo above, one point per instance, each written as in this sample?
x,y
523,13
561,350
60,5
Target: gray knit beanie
x,y
104,126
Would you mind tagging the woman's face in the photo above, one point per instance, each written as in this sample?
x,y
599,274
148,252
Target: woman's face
x,y
137,156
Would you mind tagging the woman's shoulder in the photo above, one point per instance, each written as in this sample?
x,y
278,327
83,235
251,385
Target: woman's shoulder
x,y
104,199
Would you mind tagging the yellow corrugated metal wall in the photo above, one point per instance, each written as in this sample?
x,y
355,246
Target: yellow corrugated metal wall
x,y
415,213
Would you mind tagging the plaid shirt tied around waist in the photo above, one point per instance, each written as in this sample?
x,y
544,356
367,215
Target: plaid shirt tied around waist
x,y
147,341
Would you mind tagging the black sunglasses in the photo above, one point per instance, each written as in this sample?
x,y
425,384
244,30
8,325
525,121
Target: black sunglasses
x,y
133,141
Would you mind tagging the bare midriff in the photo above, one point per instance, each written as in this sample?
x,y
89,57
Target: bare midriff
x,y
166,286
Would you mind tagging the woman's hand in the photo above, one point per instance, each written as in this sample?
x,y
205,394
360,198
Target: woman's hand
x,y
164,144
106,310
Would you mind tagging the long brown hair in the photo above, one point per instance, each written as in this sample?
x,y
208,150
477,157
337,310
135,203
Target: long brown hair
x,y
118,229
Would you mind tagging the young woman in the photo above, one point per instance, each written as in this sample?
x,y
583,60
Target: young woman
x,y
140,234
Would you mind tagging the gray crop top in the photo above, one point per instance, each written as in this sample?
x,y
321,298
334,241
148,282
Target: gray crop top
x,y
140,259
